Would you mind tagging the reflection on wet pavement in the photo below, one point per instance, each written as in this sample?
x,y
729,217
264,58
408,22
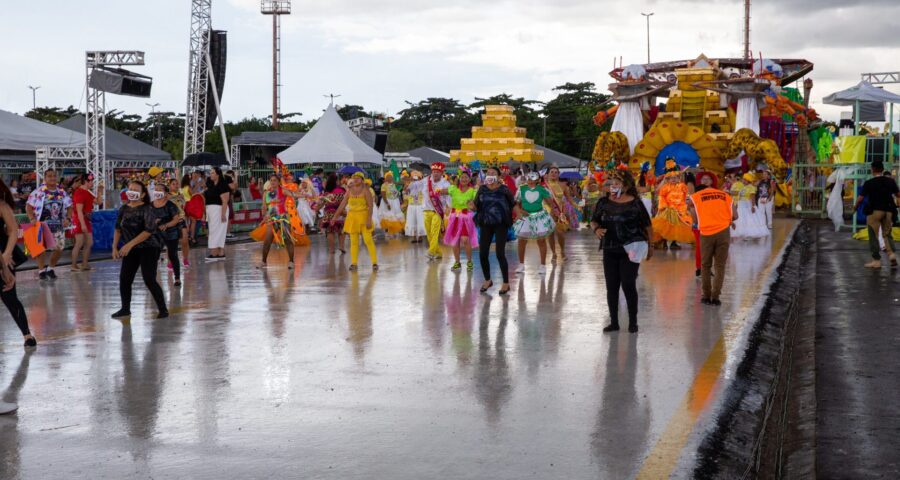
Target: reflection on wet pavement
x,y
405,373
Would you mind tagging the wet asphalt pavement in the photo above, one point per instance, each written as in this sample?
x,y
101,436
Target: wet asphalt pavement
x,y
857,371
406,373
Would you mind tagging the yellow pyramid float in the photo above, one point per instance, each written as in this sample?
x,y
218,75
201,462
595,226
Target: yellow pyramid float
x,y
498,140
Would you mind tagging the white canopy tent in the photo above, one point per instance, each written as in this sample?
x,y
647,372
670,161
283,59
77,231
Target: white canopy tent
x,y
330,141
862,92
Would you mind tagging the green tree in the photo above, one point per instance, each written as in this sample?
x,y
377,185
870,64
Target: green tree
x,y
570,128
437,122
52,115
402,141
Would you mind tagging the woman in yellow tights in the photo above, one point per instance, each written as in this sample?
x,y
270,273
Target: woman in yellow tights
x,y
358,221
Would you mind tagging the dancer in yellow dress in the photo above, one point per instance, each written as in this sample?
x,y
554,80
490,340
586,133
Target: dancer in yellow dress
x,y
358,221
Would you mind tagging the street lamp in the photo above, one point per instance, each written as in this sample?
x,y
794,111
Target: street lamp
x,y
543,117
648,15
33,96
156,121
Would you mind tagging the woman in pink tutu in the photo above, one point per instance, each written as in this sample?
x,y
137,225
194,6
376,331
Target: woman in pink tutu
x,y
461,227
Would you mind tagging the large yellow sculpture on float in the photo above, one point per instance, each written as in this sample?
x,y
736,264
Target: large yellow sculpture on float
x,y
707,102
498,140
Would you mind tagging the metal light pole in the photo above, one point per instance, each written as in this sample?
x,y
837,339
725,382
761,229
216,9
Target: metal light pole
x,y
648,15
33,96
544,118
155,120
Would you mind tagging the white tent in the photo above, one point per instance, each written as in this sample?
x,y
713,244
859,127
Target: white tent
x,y
861,92
330,141
27,134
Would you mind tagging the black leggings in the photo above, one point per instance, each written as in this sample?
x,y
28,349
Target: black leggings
x,y
498,233
11,300
146,259
620,272
172,253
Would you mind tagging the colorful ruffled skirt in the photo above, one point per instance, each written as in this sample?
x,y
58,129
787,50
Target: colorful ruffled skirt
x,y
461,223
667,225
569,218
534,226
281,230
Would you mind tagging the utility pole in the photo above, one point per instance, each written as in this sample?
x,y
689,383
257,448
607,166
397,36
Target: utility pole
x,y
648,15
156,121
746,29
33,96
276,8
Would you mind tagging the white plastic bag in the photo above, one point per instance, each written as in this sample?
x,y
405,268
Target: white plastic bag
x,y
835,205
637,251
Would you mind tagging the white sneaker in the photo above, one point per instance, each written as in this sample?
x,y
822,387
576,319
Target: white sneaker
x,y
520,268
7,408
290,265
542,270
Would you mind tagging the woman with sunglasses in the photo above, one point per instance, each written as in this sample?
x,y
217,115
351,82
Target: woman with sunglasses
x,y
84,200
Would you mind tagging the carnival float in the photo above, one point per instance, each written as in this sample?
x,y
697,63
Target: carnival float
x,y
716,114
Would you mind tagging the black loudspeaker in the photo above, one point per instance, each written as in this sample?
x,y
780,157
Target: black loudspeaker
x,y
218,47
380,142
121,82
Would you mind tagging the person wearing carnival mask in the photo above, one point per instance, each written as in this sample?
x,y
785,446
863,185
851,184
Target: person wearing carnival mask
x,y
434,189
533,221
136,228
624,228
168,218
494,204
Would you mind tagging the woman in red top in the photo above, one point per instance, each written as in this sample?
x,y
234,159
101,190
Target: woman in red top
x,y
84,200
255,194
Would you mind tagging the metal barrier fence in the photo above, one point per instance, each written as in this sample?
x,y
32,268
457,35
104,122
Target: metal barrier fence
x,y
809,195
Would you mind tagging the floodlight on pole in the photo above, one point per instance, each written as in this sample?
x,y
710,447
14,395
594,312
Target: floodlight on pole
x,y
156,121
332,97
647,16
33,96
276,8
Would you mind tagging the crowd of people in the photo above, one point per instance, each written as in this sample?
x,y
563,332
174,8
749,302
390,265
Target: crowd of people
x,y
466,210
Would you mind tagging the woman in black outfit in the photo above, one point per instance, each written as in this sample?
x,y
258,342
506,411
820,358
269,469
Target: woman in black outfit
x,y
9,233
136,227
169,219
620,219
493,206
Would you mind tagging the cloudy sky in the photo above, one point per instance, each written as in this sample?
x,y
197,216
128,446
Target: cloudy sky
x,y
379,54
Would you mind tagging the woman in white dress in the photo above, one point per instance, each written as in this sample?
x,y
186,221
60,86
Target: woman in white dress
x,y
415,212
305,201
750,223
389,212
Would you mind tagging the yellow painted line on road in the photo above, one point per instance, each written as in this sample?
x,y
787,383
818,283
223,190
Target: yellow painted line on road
x,y
663,459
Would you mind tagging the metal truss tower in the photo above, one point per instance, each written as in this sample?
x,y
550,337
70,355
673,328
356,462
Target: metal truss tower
x,y
276,8
200,80
198,77
95,110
